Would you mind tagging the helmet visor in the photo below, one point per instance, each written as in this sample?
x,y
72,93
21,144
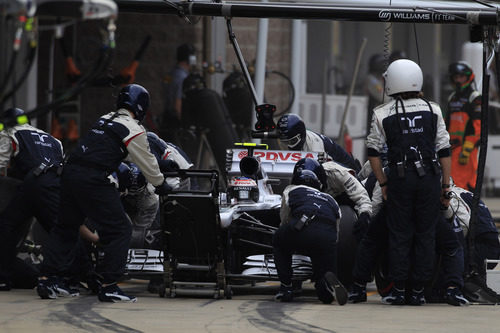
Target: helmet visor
x,y
293,142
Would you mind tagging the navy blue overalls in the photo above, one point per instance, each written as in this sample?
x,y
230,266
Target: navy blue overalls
x,y
38,196
86,192
317,239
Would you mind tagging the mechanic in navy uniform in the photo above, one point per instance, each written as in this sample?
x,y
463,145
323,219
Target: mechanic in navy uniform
x,y
34,157
87,192
486,244
309,221
418,152
447,288
293,132
341,183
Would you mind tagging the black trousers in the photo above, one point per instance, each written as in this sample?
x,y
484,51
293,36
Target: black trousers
x,y
86,192
448,246
412,214
318,240
486,246
38,196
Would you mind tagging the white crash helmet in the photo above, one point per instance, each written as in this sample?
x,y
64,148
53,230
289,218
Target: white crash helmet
x,y
403,75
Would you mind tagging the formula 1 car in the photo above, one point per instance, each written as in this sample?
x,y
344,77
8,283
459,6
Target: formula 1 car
x,y
249,215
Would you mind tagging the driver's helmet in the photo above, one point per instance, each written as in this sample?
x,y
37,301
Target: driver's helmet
x,y
243,189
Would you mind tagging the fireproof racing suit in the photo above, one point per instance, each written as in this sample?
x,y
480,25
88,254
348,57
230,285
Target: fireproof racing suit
x,y
309,220
166,151
374,244
320,143
35,157
416,137
87,192
346,189
487,245
344,186
463,121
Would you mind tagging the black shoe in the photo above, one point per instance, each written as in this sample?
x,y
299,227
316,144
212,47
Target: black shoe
x,y
453,296
285,294
395,297
335,289
54,287
417,297
5,285
357,293
475,290
113,293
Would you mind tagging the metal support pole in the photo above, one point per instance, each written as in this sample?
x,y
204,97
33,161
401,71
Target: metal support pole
x,y
260,60
296,64
340,139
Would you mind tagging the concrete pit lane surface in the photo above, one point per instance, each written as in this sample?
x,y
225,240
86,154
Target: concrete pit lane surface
x,y
252,309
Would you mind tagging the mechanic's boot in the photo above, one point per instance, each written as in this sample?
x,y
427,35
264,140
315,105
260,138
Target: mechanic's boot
x,y
54,287
395,297
476,290
113,293
357,293
5,285
453,296
417,297
285,294
46,289
334,289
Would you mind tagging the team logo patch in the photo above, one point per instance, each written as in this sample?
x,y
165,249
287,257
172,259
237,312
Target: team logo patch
x,y
242,154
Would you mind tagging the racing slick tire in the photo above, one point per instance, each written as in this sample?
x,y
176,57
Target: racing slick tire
x,y
346,246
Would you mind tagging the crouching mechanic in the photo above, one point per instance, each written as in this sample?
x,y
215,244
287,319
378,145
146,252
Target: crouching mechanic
x,y
348,190
34,157
170,158
486,244
344,187
309,220
87,192
293,132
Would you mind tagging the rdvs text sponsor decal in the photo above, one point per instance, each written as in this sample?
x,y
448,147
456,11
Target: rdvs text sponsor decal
x,y
282,156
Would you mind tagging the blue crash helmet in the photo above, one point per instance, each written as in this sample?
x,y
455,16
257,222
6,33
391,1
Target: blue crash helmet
x,y
306,177
292,131
311,165
134,98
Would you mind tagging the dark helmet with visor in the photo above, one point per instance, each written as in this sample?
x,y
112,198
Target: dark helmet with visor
x,y
311,165
134,98
306,177
461,68
292,131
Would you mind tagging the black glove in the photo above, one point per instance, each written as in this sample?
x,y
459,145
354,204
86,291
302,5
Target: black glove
x,y
163,189
361,226
168,165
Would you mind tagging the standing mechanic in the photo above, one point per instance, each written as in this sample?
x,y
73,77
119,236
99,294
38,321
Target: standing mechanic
x,y
449,286
416,138
34,157
87,192
309,220
293,132
463,121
